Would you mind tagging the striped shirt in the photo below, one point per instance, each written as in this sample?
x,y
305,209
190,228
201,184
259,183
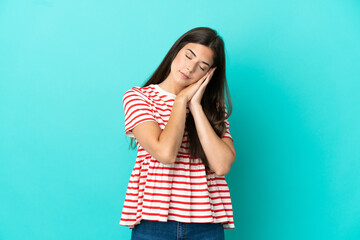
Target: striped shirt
x,y
181,191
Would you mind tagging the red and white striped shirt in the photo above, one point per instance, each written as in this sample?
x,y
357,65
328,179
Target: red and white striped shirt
x,y
181,191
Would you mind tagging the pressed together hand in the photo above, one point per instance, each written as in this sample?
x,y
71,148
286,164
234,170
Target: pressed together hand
x,y
193,93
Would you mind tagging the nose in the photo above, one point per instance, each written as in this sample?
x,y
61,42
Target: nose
x,y
190,67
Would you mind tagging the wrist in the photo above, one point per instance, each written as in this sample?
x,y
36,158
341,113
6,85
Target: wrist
x,y
195,107
181,99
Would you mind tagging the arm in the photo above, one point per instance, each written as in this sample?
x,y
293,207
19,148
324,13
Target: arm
x,y
164,144
220,152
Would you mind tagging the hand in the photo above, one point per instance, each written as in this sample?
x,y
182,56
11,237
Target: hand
x,y
188,92
196,99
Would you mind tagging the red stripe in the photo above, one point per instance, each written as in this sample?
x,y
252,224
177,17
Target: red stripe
x,y
138,176
175,175
182,202
217,204
164,115
219,191
154,214
134,95
177,169
184,216
221,197
185,153
176,208
134,188
129,213
141,102
191,210
178,189
141,149
146,156
136,102
184,156
137,111
133,207
158,194
142,120
184,147
163,111
189,163
177,182
132,194
178,202
180,209
175,195
157,94
140,183
131,200
182,182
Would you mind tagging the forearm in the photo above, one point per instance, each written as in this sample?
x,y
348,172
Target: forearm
x,y
171,136
218,153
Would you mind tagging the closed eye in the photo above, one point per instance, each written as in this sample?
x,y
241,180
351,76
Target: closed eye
x,y
190,59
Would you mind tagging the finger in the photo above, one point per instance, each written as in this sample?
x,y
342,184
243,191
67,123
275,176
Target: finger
x,y
209,76
200,81
203,79
204,84
197,85
206,75
212,72
207,80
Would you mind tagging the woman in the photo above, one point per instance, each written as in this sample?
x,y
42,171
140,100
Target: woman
x,y
180,124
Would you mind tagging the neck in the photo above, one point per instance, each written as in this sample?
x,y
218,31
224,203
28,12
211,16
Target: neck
x,y
170,86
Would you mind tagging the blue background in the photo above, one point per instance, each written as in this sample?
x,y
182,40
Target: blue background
x,y
293,72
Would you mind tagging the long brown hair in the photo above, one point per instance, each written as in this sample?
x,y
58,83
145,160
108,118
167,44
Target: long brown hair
x,y
216,106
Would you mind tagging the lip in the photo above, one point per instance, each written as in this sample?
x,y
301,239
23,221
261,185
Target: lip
x,y
184,75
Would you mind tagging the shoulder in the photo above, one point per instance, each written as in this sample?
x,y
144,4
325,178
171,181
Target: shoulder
x,y
138,92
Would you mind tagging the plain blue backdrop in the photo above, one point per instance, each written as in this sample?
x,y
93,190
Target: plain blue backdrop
x,y
293,72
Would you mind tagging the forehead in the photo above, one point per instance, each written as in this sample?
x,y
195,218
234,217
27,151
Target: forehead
x,y
202,52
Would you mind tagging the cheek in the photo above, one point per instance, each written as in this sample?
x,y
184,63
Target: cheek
x,y
199,75
178,62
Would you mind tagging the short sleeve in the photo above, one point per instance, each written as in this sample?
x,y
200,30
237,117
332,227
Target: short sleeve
x,y
137,110
227,132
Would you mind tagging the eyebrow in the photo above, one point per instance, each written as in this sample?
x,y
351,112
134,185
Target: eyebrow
x,y
195,56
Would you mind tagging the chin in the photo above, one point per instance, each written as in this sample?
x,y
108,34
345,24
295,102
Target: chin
x,y
183,82
186,83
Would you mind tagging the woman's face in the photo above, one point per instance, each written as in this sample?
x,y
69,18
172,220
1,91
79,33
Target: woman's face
x,y
191,63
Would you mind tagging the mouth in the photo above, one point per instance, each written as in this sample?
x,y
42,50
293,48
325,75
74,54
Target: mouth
x,y
184,75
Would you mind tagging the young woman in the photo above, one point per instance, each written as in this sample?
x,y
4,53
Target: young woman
x,y
179,120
